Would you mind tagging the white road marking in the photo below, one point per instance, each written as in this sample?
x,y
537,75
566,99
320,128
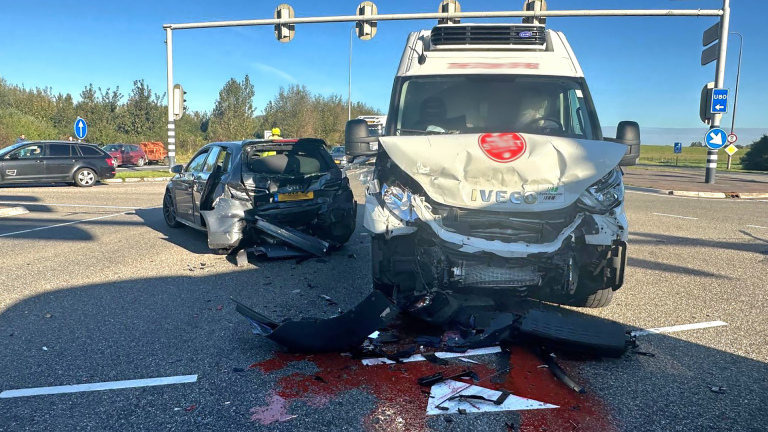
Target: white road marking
x,y
678,328
67,223
757,226
441,392
676,216
442,355
65,205
113,385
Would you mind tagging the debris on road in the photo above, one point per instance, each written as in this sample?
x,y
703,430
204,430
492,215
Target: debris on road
x,y
560,374
342,333
429,381
48,315
328,300
190,408
719,390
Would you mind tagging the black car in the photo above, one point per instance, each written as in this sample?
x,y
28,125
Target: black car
x,y
53,162
266,192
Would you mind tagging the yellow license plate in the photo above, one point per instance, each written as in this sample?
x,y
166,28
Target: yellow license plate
x,y
337,162
297,196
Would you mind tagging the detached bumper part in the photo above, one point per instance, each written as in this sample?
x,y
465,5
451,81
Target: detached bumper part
x,y
293,237
316,335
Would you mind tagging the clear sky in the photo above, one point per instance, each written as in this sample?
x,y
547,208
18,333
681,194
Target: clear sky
x,y
643,69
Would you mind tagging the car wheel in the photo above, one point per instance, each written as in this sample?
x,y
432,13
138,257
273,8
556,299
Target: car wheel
x,y
169,211
140,162
85,177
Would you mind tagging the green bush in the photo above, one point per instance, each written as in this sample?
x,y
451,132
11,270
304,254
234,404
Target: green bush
x,y
756,158
14,123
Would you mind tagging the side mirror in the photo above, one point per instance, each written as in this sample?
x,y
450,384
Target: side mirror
x,y
628,133
177,169
358,139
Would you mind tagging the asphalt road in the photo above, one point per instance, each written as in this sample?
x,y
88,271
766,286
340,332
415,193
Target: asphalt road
x,y
151,167
95,288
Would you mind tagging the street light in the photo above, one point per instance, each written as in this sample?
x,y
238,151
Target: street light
x,y
736,96
349,92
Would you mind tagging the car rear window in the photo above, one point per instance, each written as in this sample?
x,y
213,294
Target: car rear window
x,y
59,150
89,151
288,159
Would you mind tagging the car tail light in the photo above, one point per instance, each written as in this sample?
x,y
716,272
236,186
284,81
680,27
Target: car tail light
x,y
110,162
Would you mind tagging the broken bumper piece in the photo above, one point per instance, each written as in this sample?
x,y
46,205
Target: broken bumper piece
x,y
314,335
297,239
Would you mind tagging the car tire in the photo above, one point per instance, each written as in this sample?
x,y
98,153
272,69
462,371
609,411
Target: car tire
x,y
85,177
169,211
598,299
140,162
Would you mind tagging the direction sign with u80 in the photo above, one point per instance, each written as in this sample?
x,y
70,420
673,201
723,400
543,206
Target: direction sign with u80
x,y
719,101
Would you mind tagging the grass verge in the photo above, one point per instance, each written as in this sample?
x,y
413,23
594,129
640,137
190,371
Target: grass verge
x,y
142,174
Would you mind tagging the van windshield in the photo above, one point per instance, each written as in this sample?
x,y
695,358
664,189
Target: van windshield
x,y
555,106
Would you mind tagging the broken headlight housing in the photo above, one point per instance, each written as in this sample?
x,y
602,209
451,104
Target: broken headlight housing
x,y
605,194
398,201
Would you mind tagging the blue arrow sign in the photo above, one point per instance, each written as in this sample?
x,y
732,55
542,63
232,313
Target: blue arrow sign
x,y
716,139
678,148
81,128
719,101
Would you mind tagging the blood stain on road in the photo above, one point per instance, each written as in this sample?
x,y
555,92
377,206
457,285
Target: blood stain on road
x,y
401,402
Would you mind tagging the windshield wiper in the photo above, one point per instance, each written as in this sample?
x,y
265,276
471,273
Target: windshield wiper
x,y
434,132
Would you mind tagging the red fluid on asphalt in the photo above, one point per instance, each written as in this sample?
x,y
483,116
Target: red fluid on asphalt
x,y
401,403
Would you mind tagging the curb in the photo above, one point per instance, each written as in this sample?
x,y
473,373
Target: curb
x,y
137,180
694,194
12,211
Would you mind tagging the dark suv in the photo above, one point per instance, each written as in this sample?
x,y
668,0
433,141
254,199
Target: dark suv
x,y
54,161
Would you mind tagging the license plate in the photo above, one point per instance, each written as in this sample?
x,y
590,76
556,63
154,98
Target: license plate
x,y
337,161
296,196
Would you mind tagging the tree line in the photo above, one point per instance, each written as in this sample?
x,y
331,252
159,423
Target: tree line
x,y
141,115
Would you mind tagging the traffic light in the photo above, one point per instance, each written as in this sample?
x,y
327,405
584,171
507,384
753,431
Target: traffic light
x,y
284,32
178,101
366,30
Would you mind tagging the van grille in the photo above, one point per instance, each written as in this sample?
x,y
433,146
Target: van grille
x,y
508,34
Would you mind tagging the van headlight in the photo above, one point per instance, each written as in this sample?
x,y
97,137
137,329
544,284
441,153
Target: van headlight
x,y
605,194
398,201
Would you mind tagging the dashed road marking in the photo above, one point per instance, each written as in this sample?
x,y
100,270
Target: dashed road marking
x,y
757,226
71,223
678,328
676,216
112,385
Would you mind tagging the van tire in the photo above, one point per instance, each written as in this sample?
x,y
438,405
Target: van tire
x,y
598,299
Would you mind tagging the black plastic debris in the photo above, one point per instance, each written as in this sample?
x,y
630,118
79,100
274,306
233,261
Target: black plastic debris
x,y
559,373
277,252
313,335
303,242
433,358
571,330
430,380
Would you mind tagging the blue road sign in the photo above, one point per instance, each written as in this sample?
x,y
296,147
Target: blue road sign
x,y
81,128
716,139
719,101
678,148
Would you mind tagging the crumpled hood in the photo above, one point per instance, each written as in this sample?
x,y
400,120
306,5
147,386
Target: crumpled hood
x,y
455,171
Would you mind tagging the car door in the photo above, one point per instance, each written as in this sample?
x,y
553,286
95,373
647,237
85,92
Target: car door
x,y
201,179
184,185
25,164
59,161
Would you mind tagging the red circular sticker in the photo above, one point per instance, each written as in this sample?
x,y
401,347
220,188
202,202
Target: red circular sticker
x,y
503,147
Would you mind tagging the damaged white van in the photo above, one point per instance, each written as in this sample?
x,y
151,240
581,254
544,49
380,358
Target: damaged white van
x,y
493,182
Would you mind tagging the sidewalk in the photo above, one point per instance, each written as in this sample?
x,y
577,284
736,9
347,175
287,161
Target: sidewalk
x,y
690,182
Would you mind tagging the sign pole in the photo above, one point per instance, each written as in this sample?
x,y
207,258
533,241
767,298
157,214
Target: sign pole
x,y
171,121
725,21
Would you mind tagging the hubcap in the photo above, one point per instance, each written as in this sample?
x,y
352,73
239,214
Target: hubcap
x,y
86,177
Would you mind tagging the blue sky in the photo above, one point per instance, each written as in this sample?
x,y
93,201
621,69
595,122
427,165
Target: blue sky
x,y
643,69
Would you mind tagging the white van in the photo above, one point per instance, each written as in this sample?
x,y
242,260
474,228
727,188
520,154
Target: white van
x,y
493,181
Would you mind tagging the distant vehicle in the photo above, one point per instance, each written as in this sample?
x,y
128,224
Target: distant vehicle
x,y
228,188
339,156
127,154
55,161
155,151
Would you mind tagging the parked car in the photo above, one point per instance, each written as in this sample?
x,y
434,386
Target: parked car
x,y
339,156
55,161
236,190
127,154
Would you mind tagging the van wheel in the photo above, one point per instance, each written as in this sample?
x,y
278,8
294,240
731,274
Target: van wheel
x,y
85,177
598,299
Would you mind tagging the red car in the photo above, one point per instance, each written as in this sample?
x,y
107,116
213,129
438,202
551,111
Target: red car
x,y
126,154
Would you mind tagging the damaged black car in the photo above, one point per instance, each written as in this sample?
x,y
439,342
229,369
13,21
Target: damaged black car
x,y
279,193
